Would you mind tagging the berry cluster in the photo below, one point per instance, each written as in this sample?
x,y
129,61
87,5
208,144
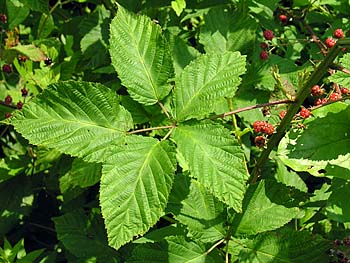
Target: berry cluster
x,y
337,34
263,127
304,113
317,91
268,35
19,105
339,252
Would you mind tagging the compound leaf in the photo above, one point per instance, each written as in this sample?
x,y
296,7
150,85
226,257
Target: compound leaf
x,y
135,186
77,118
141,56
214,158
204,81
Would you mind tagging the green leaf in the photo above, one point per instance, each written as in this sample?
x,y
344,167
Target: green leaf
x,y
228,30
178,6
281,246
340,77
81,175
94,30
31,51
84,236
135,186
204,81
141,57
17,12
193,205
31,257
175,249
46,25
338,205
16,200
215,159
38,5
77,118
260,212
289,178
182,53
325,140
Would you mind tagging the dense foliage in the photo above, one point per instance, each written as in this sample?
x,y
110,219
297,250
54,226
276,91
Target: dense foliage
x,y
174,131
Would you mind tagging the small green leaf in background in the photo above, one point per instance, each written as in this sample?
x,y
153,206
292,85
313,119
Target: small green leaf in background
x,y
41,6
215,159
17,12
228,30
94,31
84,236
204,81
82,175
78,118
338,204
135,185
178,6
175,249
261,214
16,199
31,51
182,53
195,207
289,178
141,56
285,245
340,77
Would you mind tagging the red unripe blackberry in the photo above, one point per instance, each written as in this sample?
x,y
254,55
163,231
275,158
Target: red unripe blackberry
x,y
3,18
6,68
264,55
316,91
320,101
22,58
260,141
7,115
282,114
330,42
304,113
264,127
24,92
334,96
344,91
283,18
19,105
268,34
257,125
338,33
263,45
8,100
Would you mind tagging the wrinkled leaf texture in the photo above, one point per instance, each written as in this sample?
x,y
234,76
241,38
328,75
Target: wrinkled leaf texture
x,y
141,56
135,186
77,118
